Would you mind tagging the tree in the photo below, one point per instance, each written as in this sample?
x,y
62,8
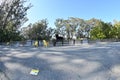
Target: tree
x,y
60,28
97,33
39,30
117,29
107,28
67,27
102,31
13,16
93,28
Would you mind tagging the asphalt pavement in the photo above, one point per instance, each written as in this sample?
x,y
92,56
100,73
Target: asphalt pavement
x,y
100,61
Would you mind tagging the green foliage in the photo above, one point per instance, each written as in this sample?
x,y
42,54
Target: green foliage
x,y
67,27
7,36
96,33
39,31
106,28
103,31
93,28
12,17
117,29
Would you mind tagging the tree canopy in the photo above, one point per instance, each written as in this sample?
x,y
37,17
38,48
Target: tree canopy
x,y
38,31
13,14
12,17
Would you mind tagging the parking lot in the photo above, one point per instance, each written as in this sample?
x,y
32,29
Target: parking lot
x,y
100,61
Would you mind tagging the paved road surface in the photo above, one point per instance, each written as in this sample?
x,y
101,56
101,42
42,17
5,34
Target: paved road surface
x,y
100,61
